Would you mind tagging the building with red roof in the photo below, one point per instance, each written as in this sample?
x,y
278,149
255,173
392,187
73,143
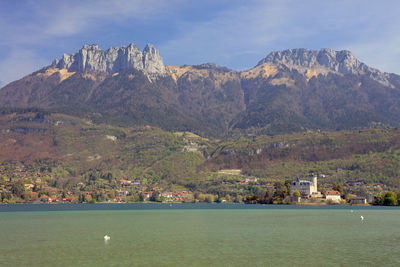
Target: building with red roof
x,y
333,195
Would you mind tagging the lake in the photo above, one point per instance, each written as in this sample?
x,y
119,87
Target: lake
x,y
198,235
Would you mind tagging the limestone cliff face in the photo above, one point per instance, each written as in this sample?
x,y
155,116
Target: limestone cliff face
x,y
152,61
113,60
343,62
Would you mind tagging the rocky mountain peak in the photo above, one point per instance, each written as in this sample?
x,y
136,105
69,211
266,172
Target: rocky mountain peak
x,y
115,59
343,62
152,61
340,61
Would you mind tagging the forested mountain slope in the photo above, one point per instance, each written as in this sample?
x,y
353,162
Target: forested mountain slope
x,y
288,91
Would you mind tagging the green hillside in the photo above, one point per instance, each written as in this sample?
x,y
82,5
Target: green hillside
x,y
65,156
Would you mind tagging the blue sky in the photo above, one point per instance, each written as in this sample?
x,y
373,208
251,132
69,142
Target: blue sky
x,y
232,33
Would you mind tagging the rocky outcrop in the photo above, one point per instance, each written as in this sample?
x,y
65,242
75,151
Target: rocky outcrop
x,y
152,61
113,60
337,61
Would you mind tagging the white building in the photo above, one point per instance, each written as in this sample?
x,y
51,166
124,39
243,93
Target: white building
x,y
333,196
305,187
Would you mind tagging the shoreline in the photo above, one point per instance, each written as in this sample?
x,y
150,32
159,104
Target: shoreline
x,y
194,203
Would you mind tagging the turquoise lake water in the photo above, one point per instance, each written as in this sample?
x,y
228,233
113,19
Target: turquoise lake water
x,y
198,235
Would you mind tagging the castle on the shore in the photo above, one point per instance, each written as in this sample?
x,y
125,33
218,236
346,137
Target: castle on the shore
x,y
306,188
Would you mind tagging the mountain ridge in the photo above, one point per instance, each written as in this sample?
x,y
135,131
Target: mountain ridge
x,y
115,59
288,91
342,61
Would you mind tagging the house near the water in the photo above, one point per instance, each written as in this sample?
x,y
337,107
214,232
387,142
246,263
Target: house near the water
x,y
358,200
333,196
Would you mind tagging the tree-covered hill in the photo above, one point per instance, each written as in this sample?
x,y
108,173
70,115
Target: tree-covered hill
x,y
60,153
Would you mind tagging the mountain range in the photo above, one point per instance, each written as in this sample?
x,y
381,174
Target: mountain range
x,y
287,91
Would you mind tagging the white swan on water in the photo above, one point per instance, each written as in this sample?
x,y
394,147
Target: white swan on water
x,y
106,238
362,218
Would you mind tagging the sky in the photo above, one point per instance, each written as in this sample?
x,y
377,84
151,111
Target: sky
x,y
232,33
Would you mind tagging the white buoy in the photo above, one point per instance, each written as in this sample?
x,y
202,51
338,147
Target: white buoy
x,y
106,238
362,218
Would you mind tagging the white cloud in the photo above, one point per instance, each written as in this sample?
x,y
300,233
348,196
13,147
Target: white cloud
x,y
52,19
72,19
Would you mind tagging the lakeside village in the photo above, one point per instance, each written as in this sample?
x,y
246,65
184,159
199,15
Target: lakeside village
x,y
24,186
